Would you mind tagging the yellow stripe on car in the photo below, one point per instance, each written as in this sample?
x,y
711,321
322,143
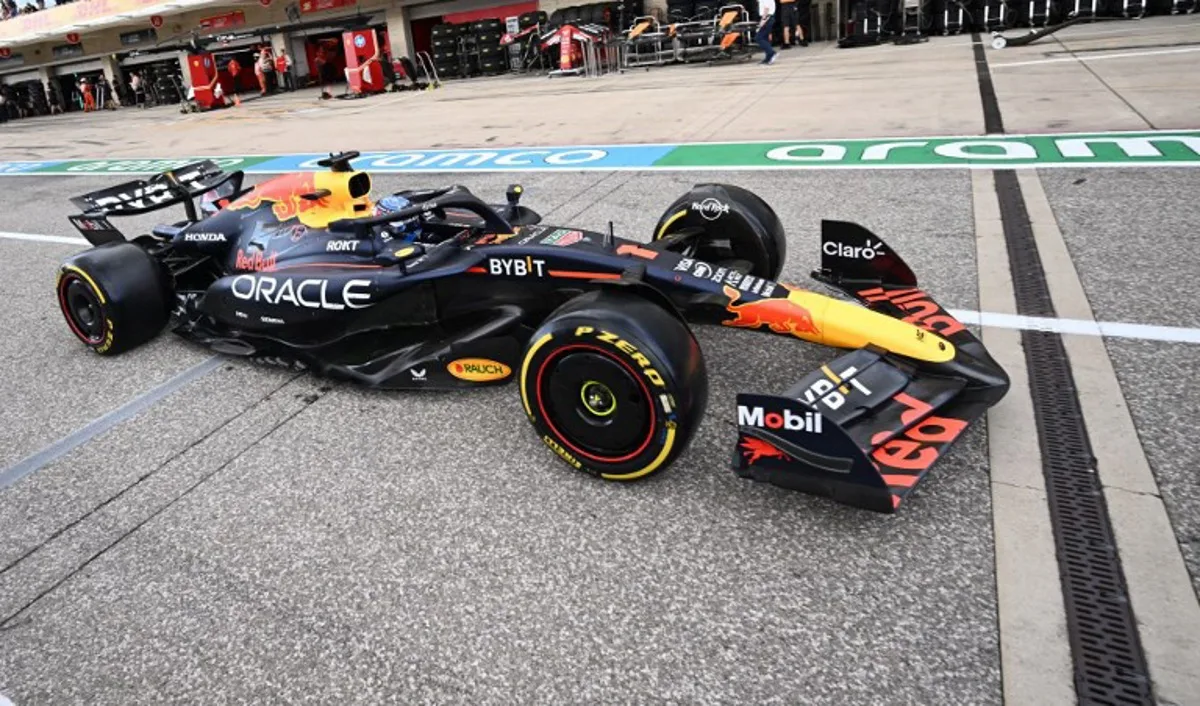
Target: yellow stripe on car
x,y
525,370
845,325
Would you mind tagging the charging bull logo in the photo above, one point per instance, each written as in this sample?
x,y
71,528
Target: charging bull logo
x,y
780,315
286,196
754,449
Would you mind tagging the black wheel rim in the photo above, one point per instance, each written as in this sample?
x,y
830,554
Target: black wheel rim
x,y
83,310
596,404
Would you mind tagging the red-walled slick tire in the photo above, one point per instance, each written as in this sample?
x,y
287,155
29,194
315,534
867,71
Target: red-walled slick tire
x,y
614,384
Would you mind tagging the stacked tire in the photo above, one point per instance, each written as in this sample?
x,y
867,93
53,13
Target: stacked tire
x,y
445,49
705,9
530,19
607,14
680,10
490,54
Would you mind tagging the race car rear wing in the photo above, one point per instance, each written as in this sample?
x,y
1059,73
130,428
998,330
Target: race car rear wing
x,y
866,428
170,188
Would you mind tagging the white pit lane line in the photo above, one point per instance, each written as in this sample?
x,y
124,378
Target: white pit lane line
x,y
37,238
1112,329
1087,59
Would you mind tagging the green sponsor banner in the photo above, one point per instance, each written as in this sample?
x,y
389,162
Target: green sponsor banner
x,y
1163,148
1085,150
142,166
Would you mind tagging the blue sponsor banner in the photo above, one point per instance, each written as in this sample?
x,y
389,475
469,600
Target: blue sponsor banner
x,y
22,167
465,160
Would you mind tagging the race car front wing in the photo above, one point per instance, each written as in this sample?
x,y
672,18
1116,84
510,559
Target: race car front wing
x,y
865,428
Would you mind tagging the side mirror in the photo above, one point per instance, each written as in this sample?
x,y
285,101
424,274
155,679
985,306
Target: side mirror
x,y
514,195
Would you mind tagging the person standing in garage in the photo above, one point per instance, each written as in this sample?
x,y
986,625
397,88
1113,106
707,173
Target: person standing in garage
x,y
85,91
804,20
766,10
283,71
787,24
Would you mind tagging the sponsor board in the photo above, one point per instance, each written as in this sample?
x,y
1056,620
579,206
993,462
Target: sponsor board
x,y
24,167
523,159
139,166
1161,148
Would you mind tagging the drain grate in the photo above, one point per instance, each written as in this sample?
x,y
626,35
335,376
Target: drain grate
x,y
1110,667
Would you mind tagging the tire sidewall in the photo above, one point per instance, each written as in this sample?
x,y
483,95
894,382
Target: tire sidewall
x,y
105,343
674,405
133,292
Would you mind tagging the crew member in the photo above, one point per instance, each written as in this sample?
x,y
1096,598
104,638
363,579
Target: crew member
x,y
788,23
261,67
766,10
235,68
85,90
325,70
283,71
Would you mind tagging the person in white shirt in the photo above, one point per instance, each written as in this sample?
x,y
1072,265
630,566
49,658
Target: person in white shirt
x,y
766,10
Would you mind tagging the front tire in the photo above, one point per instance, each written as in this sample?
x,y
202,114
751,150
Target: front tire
x,y
114,297
735,224
614,384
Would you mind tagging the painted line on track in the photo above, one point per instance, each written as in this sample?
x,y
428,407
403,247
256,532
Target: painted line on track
x,y
1099,57
39,238
139,404
1112,329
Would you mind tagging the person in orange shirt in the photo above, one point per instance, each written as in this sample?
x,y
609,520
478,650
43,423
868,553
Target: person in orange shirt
x,y
234,68
89,100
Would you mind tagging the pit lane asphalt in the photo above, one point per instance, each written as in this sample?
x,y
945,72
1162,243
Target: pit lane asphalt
x,y
293,538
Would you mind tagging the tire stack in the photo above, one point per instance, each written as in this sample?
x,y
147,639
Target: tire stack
x,y
445,50
705,10
489,53
680,10
529,19
607,14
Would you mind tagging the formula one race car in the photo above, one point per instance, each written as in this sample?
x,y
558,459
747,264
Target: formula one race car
x,y
437,289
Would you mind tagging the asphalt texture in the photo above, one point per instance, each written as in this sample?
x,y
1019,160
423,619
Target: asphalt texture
x,y
266,535
1138,269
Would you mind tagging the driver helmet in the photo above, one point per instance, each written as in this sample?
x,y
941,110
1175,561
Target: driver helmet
x,y
408,229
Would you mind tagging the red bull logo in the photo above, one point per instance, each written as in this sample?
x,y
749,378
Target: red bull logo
x,y
285,193
780,315
754,449
255,261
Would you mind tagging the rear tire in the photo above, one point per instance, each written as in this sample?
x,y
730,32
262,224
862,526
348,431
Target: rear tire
x,y
614,384
114,297
736,223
